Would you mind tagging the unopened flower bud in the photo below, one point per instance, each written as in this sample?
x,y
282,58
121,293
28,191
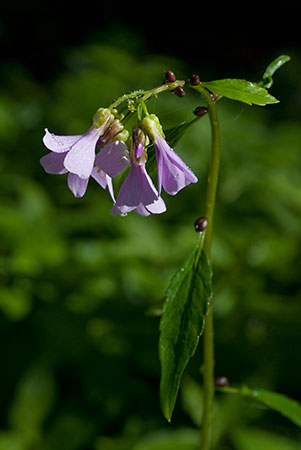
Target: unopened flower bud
x,y
200,111
121,136
102,118
138,141
179,91
221,382
169,76
152,126
201,224
194,80
213,95
113,128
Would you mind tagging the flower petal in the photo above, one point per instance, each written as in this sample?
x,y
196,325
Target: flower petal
x,y
149,193
138,193
77,185
104,180
173,173
142,211
59,144
113,158
157,207
175,159
172,178
130,192
54,163
100,177
110,187
80,159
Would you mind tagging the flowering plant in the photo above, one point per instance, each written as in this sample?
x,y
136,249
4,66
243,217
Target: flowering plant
x,y
110,148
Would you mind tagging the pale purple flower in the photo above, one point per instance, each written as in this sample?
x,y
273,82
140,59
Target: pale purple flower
x,y
173,173
79,150
138,192
76,154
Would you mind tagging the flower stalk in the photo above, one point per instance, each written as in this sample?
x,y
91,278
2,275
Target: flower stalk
x,y
206,244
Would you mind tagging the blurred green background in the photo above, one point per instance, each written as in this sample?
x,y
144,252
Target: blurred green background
x,y
81,291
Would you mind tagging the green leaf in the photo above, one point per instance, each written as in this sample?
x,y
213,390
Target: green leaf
x,y
182,323
286,406
267,79
174,135
241,90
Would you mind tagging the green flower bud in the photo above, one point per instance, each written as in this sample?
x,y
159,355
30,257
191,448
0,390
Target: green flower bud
x,y
121,136
102,118
151,125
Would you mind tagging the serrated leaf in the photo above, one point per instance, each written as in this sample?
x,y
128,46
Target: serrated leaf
x,y
241,90
182,323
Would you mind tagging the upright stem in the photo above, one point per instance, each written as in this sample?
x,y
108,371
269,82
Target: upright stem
x,y
208,341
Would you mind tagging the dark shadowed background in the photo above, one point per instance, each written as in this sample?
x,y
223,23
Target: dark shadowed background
x,y
81,292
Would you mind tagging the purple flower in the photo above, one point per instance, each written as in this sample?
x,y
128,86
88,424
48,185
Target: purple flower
x,y
138,192
173,173
76,155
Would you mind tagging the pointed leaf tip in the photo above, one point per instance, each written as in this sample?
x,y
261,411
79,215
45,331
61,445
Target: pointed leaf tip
x,y
181,325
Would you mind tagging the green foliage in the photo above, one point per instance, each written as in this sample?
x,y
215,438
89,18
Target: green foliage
x,y
81,292
249,439
182,323
241,90
288,407
267,78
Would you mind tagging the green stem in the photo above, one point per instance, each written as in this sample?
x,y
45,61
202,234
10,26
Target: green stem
x,y
208,342
145,95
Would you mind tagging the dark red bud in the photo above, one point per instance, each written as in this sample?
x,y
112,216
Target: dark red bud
x,y
179,91
169,76
221,382
200,111
194,80
213,95
201,224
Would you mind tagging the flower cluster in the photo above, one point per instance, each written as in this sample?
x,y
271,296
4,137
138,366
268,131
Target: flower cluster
x,y
102,153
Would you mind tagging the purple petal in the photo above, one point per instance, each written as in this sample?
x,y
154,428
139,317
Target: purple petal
x,y
129,196
80,159
173,173
54,163
113,158
100,177
157,207
104,180
138,192
149,193
172,178
175,159
142,211
59,144
77,185
110,187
